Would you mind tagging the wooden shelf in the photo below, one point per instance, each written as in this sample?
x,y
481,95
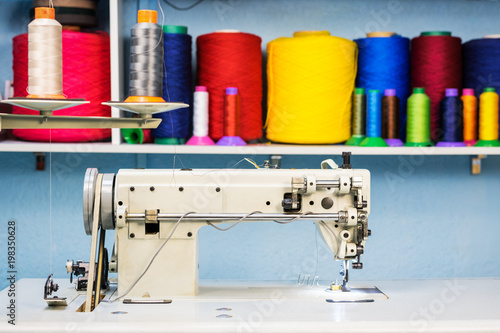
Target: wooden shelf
x,y
262,149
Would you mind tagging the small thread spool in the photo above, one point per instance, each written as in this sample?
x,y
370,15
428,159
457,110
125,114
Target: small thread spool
x,y
374,120
418,126
358,117
451,120
45,55
469,101
200,118
231,119
390,118
146,59
488,119
137,135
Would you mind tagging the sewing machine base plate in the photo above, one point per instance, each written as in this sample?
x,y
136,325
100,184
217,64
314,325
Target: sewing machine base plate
x,y
459,305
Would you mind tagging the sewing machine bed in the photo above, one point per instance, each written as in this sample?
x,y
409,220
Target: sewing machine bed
x,y
460,305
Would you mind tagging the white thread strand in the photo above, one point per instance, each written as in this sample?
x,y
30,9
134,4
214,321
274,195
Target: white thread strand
x,y
200,113
50,200
45,57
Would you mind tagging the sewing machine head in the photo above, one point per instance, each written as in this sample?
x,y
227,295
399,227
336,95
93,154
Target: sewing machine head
x,y
157,215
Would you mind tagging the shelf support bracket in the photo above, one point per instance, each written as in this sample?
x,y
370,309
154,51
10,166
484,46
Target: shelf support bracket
x,y
476,164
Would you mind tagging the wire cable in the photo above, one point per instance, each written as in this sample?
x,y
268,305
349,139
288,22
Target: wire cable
x,y
256,212
183,8
294,219
235,223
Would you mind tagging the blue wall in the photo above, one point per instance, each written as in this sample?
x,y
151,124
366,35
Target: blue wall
x,y
430,217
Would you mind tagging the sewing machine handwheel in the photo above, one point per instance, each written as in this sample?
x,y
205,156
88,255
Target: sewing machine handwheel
x,y
107,190
89,185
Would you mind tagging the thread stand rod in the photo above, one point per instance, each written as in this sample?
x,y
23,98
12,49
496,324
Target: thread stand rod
x,y
327,183
233,217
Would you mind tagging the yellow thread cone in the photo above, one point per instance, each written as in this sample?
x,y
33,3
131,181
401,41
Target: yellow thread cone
x,y
311,80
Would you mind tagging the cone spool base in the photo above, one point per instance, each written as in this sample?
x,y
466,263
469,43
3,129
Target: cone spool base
x,y
231,141
132,135
470,143
436,33
450,144
418,144
46,96
45,13
144,99
175,29
373,142
200,141
394,142
488,143
170,141
147,16
355,140
380,34
136,135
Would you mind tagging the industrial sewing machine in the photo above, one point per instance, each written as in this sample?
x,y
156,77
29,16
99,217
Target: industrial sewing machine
x,y
157,215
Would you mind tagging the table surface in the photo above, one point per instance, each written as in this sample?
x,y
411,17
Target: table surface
x,y
458,305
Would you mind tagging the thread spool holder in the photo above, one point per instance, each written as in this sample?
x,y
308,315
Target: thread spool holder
x,y
145,110
45,120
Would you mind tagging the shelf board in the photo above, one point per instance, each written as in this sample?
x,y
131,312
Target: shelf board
x,y
260,149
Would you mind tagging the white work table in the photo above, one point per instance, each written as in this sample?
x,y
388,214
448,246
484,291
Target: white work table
x,y
459,305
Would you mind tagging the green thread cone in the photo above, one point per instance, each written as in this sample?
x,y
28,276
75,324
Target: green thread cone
x,y
355,140
487,143
170,141
418,144
418,125
373,142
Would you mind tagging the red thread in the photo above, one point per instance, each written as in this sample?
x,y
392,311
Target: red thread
x,y
231,115
232,60
86,74
436,64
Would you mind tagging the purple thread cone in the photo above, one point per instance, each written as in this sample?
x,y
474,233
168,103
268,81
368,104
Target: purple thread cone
x,y
231,141
450,144
394,142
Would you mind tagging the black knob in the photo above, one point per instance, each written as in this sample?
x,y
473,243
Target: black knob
x,y
346,157
287,203
357,265
360,249
369,232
